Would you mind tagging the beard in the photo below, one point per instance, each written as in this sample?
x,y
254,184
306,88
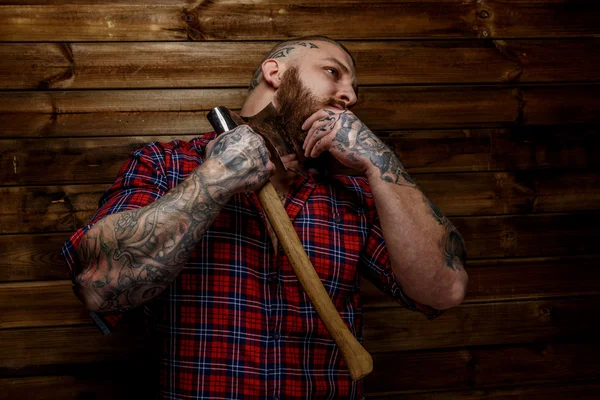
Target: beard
x,y
295,104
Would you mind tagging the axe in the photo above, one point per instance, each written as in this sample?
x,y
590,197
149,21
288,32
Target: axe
x,y
358,360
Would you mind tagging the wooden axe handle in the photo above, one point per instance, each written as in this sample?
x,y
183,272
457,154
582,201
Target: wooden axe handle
x,y
358,360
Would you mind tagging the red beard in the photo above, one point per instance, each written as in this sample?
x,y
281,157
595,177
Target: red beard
x,y
295,104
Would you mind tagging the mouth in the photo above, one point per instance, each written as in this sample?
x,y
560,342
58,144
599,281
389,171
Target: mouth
x,y
336,105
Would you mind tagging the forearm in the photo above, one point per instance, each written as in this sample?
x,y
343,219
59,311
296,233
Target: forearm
x,y
426,251
132,256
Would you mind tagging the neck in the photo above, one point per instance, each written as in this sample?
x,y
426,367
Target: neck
x,y
256,101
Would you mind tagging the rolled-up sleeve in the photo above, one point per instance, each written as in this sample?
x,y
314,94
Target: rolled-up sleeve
x,y
140,181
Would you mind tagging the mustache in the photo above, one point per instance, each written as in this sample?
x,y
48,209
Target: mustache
x,y
337,103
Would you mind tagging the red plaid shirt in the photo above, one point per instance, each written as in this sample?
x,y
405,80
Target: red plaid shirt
x,y
236,322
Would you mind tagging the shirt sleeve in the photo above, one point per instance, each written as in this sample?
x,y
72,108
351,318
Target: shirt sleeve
x,y
377,268
140,181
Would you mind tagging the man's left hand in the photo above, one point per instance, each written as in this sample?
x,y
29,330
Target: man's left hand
x,y
351,142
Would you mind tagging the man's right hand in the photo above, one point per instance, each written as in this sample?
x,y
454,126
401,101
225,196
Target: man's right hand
x,y
244,159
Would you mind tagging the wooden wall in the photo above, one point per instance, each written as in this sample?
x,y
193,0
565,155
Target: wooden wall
x,y
493,106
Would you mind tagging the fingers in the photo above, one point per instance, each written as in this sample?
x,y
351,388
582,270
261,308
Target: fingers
x,y
319,130
315,117
290,162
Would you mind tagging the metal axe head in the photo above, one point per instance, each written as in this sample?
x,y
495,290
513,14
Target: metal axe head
x,y
267,124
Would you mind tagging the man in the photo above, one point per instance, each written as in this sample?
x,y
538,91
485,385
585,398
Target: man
x,y
182,233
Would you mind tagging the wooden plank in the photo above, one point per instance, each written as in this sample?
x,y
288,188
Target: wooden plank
x,y
21,348
36,256
210,64
61,208
52,303
381,108
515,279
25,304
520,192
249,20
48,209
456,368
398,329
97,160
496,149
93,101
32,257
63,160
103,124
482,367
106,383
529,236
566,391
47,303
386,330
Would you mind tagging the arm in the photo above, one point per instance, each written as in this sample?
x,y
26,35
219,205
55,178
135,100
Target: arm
x,y
427,253
130,257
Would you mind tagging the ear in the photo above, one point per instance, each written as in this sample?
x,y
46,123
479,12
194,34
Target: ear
x,y
271,72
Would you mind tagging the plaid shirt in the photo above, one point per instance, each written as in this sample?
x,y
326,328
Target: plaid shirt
x,y
236,322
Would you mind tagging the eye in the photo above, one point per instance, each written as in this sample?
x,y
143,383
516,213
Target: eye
x,y
334,72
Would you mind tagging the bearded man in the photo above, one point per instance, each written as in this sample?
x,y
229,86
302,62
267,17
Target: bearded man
x,y
182,233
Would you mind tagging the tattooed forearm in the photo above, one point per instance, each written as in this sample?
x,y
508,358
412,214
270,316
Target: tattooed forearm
x,y
452,243
130,257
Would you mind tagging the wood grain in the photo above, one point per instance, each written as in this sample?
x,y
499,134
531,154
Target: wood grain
x,y
227,64
37,209
566,391
399,329
33,256
52,303
248,20
21,348
67,161
514,279
40,304
483,367
451,369
529,236
381,108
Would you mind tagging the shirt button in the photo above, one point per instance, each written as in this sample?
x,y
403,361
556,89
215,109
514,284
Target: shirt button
x,y
275,397
276,336
338,218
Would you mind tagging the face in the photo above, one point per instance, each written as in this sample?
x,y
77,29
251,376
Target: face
x,y
321,78
328,73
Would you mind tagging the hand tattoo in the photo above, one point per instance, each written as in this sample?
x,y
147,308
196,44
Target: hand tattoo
x,y
359,143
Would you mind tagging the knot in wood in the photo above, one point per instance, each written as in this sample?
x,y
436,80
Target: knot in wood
x,y
545,311
484,14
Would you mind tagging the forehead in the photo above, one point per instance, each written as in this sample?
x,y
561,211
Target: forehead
x,y
329,53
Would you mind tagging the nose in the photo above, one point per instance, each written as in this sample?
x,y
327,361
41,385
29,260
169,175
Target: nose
x,y
348,96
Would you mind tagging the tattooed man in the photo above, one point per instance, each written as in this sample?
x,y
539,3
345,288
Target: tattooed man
x,y
182,234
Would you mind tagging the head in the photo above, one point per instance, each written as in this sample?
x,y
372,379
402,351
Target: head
x,y
302,76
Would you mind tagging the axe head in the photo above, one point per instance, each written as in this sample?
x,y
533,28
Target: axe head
x,y
267,124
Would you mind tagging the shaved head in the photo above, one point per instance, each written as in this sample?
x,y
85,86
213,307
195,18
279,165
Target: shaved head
x,y
291,50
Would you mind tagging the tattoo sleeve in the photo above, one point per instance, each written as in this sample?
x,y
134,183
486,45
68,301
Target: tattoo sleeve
x,y
452,243
132,256
356,141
